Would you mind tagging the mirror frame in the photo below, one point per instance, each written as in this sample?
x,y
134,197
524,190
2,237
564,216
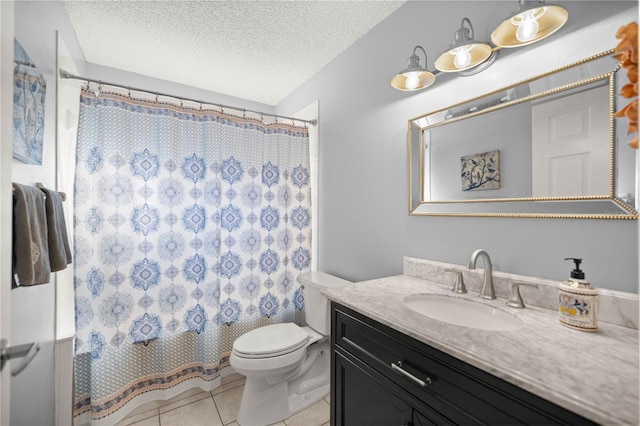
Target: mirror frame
x,y
525,207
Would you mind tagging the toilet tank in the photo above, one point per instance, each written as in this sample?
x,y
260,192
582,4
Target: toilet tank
x,y
317,306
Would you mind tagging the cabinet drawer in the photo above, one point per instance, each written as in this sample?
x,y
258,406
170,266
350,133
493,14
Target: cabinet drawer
x,y
457,390
366,398
363,398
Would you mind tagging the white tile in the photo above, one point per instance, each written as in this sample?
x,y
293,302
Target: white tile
x,y
135,418
66,385
56,354
151,421
229,385
56,385
179,401
161,403
231,378
64,412
66,355
147,406
316,415
202,412
184,395
228,404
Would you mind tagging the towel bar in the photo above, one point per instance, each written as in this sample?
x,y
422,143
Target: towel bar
x,y
27,351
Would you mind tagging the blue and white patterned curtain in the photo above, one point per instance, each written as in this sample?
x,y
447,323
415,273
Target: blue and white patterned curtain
x,y
191,228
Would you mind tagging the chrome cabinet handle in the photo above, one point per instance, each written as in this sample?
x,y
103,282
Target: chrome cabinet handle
x,y
397,366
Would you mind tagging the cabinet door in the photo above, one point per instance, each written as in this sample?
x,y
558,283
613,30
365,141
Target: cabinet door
x,y
420,419
361,399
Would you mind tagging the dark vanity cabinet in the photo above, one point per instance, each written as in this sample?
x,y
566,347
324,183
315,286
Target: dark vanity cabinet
x,y
380,376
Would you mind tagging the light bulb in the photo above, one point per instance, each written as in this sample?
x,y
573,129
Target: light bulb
x,y
412,80
527,31
462,59
528,25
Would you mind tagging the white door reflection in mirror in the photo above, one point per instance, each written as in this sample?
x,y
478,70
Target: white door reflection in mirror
x,y
570,153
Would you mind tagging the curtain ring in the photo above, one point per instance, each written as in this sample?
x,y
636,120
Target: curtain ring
x,y
261,117
244,113
156,98
129,89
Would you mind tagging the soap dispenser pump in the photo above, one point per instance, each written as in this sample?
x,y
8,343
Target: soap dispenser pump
x,y
578,301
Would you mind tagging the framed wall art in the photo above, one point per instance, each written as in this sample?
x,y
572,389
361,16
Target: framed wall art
x,y
29,93
480,171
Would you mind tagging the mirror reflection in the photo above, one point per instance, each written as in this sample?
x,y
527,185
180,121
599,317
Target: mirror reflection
x,y
542,147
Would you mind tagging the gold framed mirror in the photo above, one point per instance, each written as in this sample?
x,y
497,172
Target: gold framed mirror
x,y
545,147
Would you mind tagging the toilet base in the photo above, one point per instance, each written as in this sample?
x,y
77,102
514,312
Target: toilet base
x,y
265,403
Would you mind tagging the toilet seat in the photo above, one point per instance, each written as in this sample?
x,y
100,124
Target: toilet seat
x,y
271,341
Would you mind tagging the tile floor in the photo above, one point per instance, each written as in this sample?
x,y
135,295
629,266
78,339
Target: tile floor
x,y
216,408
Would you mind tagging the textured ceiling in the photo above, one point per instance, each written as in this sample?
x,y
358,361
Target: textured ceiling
x,y
255,50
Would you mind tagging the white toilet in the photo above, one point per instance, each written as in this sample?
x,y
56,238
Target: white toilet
x,y
287,366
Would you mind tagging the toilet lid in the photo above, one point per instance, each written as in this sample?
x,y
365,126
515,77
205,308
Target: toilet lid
x,y
271,340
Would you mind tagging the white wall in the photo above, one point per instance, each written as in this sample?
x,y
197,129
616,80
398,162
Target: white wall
x,y
364,227
126,78
33,308
6,149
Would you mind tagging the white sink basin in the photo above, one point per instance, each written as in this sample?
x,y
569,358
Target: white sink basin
x,y
462,312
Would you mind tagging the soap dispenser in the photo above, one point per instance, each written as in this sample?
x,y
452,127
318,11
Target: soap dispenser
x,y
578,301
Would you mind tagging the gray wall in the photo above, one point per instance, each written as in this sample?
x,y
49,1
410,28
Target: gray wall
x,y
498,130
364,228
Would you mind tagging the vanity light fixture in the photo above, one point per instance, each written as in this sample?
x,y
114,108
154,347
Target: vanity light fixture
x,y
533,21
414,77
465,53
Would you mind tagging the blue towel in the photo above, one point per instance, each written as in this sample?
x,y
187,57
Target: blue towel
x,y
59,251
30,247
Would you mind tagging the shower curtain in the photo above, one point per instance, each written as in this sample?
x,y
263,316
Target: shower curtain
x,y
191,228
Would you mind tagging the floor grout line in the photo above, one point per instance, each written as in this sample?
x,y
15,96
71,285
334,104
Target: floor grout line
x,y
229,387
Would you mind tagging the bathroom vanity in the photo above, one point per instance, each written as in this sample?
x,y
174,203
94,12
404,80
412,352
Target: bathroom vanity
x,y
402,381
392,365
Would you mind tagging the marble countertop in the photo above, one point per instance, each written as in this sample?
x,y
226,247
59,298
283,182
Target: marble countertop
x,y
594,374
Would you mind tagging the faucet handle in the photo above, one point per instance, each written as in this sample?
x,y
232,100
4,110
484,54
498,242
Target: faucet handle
x,y
515,299
458,284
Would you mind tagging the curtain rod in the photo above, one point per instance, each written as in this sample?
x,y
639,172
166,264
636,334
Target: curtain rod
x,y
68,75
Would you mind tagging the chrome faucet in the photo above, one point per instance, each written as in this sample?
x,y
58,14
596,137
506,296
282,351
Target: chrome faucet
x,y
487,290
